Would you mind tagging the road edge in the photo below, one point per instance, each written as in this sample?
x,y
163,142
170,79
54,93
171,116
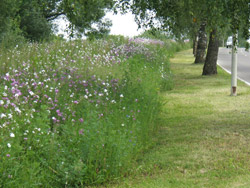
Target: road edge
x,y
229,72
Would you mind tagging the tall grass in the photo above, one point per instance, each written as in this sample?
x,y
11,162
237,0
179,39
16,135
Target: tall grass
x,y
78,113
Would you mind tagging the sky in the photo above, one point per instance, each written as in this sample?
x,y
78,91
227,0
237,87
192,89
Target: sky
x,y
122,25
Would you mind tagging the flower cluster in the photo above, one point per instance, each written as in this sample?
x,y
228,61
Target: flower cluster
x,y
74,96
147,41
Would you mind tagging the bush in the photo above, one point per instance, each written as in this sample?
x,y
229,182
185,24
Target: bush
x,y
11,36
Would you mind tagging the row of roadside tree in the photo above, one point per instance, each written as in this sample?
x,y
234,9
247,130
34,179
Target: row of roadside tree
x,y
196,19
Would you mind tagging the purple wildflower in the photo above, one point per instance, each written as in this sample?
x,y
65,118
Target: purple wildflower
x,y
81,131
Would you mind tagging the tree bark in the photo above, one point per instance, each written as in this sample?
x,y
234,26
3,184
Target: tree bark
x,y
195,43
210,66
202,45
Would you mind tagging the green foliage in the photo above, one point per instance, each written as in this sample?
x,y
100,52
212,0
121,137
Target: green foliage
x,y
12,36
34,25
82,14
184,17
34,17
155,34
7,11
78,113
102,30
175,17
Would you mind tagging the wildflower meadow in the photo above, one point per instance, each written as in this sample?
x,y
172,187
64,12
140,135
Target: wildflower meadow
x,y
76,113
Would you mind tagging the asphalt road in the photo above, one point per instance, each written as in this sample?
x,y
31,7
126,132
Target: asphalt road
x,y
224,60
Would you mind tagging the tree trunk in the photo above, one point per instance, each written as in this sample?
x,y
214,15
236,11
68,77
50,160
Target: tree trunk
x,y
195,43
210,66
202,45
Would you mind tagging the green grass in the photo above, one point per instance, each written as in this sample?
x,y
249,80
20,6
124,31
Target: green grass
x,y
205,136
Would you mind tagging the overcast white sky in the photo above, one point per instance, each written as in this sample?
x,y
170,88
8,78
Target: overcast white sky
x,y
122,25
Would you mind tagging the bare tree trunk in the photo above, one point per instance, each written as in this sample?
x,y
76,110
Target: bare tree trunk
x,y
202,45
210,66
195,43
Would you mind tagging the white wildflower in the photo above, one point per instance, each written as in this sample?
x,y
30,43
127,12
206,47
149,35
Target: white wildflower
x,y
2,115
10,116
31,93
18,110
9,145
12,135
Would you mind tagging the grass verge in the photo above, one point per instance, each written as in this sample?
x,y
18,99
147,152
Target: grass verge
x,y
205,136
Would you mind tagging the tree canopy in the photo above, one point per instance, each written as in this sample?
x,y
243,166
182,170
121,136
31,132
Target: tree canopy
x,y
183,16
34,17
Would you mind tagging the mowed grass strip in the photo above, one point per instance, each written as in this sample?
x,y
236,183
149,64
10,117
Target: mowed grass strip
x,y
205,136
